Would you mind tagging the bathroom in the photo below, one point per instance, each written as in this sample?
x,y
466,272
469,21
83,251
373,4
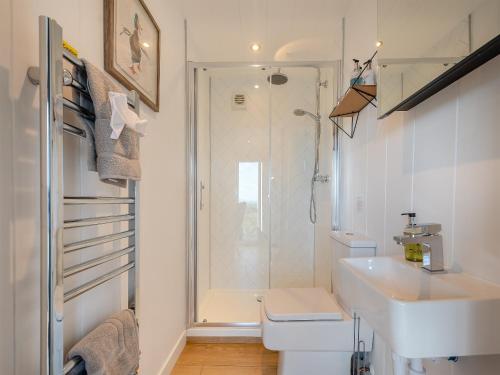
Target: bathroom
x,y
226,210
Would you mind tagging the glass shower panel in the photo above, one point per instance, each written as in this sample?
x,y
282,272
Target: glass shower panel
x,y
292,163
233,225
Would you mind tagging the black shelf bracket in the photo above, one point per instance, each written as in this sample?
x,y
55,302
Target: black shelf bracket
x,y
353,127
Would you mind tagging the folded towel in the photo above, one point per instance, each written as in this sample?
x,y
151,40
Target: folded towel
x,y
112,348
117,159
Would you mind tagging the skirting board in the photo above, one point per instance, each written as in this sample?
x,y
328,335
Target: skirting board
x,y
224,340
225,331
173,356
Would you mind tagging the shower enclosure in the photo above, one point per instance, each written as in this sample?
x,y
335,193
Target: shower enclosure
x,y
260,168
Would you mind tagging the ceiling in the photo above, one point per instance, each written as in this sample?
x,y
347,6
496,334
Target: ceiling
x,y
287,30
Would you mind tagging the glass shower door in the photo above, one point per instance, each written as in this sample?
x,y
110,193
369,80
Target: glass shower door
x,y
233,224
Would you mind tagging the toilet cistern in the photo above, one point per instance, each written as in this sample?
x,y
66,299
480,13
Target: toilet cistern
x,y
428,237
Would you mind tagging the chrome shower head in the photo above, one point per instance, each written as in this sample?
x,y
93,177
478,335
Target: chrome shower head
x,y
277,78
301,112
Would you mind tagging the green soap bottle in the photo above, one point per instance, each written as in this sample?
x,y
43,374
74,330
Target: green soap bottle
x,y
413,252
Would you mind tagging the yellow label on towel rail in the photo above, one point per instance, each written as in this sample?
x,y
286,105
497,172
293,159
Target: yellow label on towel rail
x,y
68,47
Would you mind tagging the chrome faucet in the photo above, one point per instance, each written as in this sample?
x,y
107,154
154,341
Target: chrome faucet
x,y
427,235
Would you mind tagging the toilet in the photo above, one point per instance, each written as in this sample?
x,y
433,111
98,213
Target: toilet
x,y
309,328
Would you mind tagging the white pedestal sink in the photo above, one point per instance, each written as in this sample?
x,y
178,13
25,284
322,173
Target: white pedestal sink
x,y
422,315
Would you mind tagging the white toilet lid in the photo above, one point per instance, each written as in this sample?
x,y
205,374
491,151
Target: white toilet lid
x,y
301,304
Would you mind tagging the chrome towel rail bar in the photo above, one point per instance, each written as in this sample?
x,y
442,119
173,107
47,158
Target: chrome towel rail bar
x,y
75,107
73,130
66,107
73,293
73,270
79,63
87,222
71,364
69,200
34,76
73,59
97,241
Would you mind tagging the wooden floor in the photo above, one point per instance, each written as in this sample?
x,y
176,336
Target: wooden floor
x,y
226,359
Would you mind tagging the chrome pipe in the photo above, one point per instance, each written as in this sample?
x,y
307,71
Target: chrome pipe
x,y
133,242
73,293
51,189
97,241
73,270
87,222
70,200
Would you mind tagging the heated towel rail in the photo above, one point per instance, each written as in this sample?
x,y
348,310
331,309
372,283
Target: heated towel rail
x,y
64,101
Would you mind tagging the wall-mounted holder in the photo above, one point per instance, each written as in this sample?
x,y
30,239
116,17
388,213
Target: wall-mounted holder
x,y
354,100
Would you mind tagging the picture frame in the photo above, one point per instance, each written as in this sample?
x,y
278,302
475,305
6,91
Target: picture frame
x,y
132,48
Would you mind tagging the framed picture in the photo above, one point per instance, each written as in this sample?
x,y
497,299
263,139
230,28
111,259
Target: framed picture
x,y
132,48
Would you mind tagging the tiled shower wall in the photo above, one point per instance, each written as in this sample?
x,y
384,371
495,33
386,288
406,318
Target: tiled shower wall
x,y
257,151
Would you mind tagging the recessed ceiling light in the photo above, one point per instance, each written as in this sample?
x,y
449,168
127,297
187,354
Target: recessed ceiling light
x,y
145,44
379,43
255,47
256,86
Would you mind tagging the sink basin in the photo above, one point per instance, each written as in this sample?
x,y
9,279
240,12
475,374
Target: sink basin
x,y
418,314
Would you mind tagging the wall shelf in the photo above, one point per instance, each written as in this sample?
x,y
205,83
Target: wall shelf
x,y
355,99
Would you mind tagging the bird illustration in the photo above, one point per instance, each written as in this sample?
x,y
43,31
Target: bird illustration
x,y
136,47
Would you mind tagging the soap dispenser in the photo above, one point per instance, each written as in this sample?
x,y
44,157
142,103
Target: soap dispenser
x,y
413,251
369,77
356,78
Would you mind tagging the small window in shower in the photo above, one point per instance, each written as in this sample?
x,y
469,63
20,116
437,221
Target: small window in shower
x,y
249,199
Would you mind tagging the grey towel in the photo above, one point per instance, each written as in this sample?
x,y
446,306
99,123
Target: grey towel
x,y
112,348
117,159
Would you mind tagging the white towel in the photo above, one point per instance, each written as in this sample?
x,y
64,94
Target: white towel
x,y
121,115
